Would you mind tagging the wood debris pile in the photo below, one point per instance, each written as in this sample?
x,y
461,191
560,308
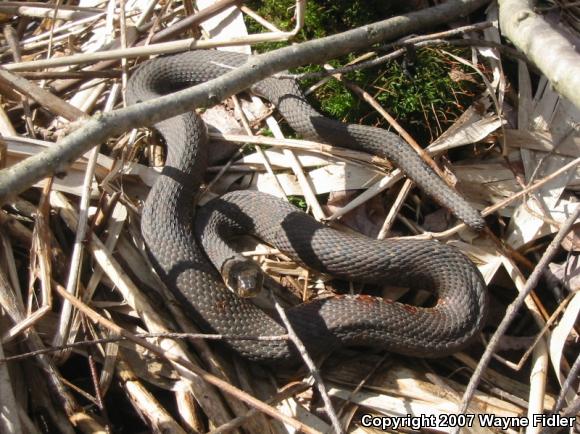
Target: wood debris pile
x,y
87,327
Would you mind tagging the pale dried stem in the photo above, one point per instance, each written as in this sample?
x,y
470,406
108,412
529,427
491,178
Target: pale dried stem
x,y
304,183
158,419
309,146
191,21
16,229
124,45
268,166
169,335
503,203
24,44
9,414
395,208
285,393
147,12
375,189
52,22
64,324
185,367
34,342
40,265
161,48
39,10
10,263
238,153
314,372
207,397
362,383
539,336
538,375
260,20
568,383
259,150
12,39
493,96
63,333
514,307
42,96
6,129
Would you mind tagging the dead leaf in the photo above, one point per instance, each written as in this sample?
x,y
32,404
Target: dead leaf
x,y
567,273
437,221
366,219
457,75
572,241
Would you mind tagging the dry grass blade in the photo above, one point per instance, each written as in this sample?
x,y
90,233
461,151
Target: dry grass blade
x,y
190,369
516,304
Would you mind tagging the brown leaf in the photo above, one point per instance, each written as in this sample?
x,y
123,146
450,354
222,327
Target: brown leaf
x,y
572,241
568,273
366,219
457,75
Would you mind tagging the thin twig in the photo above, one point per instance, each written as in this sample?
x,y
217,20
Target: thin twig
x,y
189,369
192,21
95,130
417,41
53,377
514,307
395,208
48,100
286,392
318,381
160,48
308,146
9,419
570,379
503,203
168,335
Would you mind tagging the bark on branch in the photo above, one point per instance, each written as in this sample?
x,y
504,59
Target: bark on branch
x,y
551,52
95,130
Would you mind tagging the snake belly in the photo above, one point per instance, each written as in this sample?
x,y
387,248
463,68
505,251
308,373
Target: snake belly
x,y
453,321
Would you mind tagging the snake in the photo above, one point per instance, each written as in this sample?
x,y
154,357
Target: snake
x,y
185,246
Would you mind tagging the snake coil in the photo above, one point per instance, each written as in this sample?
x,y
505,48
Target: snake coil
x,y
452,322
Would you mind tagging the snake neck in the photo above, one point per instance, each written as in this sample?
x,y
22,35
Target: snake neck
x,y
172,196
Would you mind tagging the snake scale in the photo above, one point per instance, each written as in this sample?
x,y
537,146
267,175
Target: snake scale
x,y
454,319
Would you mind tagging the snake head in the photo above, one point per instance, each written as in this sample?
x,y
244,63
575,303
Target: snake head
x,y
243,276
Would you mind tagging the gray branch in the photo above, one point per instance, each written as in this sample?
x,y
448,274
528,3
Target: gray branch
x,y
545,46
97,129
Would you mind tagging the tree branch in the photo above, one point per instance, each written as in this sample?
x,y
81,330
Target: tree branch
x,y
95,130
549,49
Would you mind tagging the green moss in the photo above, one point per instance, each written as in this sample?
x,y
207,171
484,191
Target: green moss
x,y
425,100
428,100
298,201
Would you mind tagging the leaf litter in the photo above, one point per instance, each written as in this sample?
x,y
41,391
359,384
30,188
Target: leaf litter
x,y
496,156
